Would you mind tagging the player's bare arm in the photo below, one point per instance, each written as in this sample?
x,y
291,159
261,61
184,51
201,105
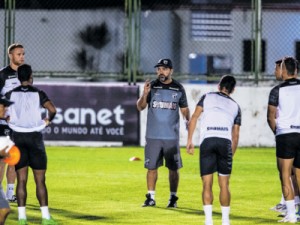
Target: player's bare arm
x,y
142,101
186,115
271,116
235,137
192,125
51,112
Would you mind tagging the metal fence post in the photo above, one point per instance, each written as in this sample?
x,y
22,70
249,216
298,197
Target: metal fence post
x,y
257,40
9,27
132,54
128,12
136,40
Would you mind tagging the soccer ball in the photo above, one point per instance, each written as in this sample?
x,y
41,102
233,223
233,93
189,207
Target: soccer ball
x,y
9,146
14,156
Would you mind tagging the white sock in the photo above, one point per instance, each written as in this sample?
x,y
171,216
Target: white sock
x,y
45,212
10,191
22,212
282,201
152,194
173,193
208,214
225,214
290,206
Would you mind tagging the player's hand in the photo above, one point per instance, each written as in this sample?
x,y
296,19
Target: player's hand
x,y
4,153
190,148
47,121
147,87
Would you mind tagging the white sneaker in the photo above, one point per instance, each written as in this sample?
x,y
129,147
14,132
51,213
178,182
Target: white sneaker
x,y
281,208
225,223
287,219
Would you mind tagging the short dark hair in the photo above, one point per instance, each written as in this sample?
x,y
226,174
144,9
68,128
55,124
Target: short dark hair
x,y
291,65
228,82
24,72
14,46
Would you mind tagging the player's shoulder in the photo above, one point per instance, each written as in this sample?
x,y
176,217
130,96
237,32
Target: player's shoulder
x,y
275,89
33,88
27,88
177,83
3,71
7,70
212,93
3,68
176,86
289,82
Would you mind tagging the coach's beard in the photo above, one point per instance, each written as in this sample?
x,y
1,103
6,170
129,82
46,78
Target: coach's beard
x,y
163,78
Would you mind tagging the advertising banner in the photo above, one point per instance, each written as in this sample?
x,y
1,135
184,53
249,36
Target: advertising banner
x,y
93,113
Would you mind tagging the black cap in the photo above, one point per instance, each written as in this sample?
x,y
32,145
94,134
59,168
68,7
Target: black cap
x,y
165,63
4,101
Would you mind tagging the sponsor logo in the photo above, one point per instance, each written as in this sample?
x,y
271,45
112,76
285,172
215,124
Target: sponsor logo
x,y
164,105
218,128
295,127
6,132
83,116
147,161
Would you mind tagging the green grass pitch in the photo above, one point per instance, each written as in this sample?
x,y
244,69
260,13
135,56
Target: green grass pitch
x,y
92,186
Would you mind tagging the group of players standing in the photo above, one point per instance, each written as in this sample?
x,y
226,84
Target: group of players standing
x,y
220,121
23,124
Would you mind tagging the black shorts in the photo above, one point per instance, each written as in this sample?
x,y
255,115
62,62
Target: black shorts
x,y
288,147
5,130
215,156
32,150
157,150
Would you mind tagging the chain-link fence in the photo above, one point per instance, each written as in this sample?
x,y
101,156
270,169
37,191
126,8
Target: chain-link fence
x,y
122,40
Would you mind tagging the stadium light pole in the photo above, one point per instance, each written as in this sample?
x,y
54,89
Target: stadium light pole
x,y
9,27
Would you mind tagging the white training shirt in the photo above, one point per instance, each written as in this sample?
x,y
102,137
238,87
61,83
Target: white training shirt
x,y
26,112
286,98
220,113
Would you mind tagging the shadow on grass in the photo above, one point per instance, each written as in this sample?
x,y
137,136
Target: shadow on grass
x,y
233,217
189,211
70,215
